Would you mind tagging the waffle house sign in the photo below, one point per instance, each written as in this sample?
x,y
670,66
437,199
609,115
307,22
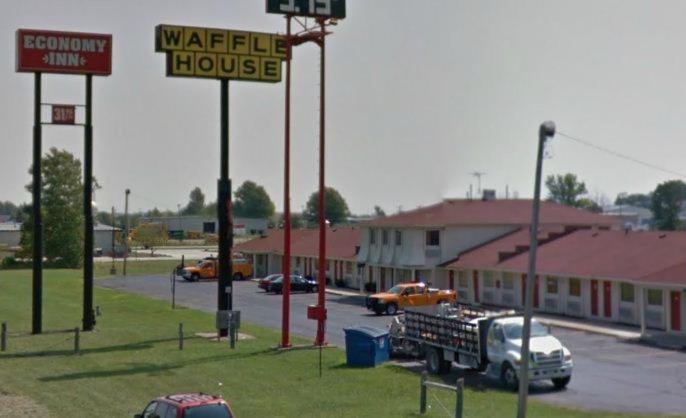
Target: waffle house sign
x,y
221,53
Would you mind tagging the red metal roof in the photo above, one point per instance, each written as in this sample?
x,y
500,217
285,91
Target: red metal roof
x,y
646,256
341,243
490,212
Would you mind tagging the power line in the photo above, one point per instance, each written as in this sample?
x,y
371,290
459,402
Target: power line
x,y
623,156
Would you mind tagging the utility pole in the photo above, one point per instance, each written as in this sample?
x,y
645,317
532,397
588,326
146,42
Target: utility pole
x,y
113,269
546,131
126,227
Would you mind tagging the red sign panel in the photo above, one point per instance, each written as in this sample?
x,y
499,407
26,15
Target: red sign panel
x,y
63,114
64,52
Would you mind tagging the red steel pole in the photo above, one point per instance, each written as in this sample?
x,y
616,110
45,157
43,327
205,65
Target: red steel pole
x,y
286,265
321,322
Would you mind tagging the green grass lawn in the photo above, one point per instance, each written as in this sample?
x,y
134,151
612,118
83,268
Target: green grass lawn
x,y
133,356
138,268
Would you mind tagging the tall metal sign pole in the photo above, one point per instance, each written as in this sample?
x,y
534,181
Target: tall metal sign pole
x,y
37,185
286,265
546,130
225,281
326,13
224,55
321,319
88,314
89,54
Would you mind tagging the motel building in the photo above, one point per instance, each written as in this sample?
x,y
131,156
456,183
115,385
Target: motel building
x,y
342,245
634,278
415,245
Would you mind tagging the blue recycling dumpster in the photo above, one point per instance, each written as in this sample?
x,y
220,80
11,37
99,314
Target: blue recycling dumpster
x,y
366,346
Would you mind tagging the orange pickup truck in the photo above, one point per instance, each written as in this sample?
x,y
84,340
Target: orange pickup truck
x,y
208,269
408,294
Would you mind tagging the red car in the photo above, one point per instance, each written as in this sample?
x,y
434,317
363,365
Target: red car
x,y
187,405
264,283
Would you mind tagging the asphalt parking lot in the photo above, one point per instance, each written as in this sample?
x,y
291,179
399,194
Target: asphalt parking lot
x,y
609,374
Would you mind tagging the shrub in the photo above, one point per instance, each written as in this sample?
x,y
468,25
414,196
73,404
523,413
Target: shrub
x,y
8,262
340,282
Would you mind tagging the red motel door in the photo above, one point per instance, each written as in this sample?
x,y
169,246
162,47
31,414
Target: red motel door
x,y
451,279
475,280
536,283
675,297
594,297
607,299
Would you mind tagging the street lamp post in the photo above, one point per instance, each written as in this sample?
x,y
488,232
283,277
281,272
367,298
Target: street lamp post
x,y
546,131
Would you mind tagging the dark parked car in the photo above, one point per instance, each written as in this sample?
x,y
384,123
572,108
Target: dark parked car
x,y
298,284
187,405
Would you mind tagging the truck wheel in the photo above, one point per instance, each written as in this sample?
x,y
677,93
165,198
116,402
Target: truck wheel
x,y
238,276
561,382
195,278
434,361
508,377
392,309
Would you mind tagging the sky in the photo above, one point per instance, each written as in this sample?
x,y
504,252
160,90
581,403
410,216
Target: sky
x,y
419,95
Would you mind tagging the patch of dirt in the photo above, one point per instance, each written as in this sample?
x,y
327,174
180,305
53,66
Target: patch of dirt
x,y
20,406
213,336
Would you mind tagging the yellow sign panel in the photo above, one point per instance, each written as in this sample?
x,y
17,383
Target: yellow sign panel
x,y
221,53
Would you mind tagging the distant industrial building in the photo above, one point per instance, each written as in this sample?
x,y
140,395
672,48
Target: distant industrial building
x,y
10,233
176,225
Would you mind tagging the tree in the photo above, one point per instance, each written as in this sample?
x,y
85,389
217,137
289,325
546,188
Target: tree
x,y
8,209
196,202
589,205
252,201
635,199
379,212
62,197
565,189
336,210
150,235
666,204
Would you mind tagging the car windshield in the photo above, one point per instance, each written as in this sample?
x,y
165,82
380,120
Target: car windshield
x,y
272,277
514,330
278,280
395,289
207,411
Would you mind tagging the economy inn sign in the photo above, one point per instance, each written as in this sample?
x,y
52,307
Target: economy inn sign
x,y
64,52
221,53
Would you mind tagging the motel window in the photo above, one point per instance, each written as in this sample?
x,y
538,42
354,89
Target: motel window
x,y
372,236
384,237
462,279
433,238
508,281
398,238
575,287
488,279
551,286
348,268
627,292
655,297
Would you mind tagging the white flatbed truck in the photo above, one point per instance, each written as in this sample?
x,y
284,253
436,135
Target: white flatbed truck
x,y
485,341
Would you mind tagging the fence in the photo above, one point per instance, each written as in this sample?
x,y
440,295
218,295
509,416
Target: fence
x,y
458,389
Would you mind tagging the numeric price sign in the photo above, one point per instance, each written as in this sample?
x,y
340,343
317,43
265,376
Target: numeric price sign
x,y
315,8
